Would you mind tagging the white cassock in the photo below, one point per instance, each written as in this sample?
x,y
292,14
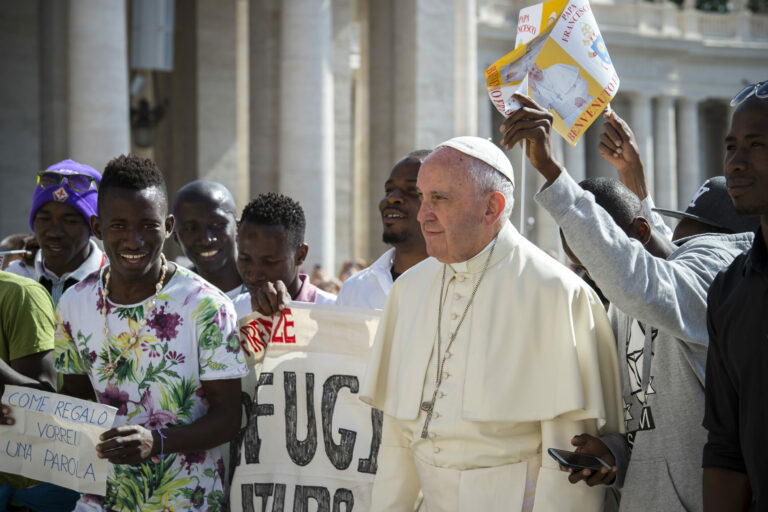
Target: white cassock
x,y
533,364
559,89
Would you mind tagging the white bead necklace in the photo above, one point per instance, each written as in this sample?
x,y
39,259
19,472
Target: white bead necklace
x,y
110,368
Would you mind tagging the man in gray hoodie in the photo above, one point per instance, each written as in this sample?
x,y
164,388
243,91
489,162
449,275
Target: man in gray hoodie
x,y
659,317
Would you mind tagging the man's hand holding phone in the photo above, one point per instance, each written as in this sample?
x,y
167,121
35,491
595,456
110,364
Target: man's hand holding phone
x,y
591,445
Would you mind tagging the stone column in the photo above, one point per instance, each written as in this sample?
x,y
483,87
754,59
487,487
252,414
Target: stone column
x,y
242,103
54,142
307,123
22,133
363,223
217,95
99,126
382,85
690,174
264,86
466,72
665,188
425,73
344,43
642,128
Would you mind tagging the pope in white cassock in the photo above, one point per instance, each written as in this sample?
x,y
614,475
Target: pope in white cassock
x,y
560,88
488,353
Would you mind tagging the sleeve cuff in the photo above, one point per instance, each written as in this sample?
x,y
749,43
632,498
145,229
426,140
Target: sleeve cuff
x,y
719,457
559,196
617,444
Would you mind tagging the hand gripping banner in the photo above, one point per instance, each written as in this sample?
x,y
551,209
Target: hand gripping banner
x,y
308,443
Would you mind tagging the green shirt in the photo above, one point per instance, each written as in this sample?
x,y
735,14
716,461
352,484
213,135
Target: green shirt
x,y
26,328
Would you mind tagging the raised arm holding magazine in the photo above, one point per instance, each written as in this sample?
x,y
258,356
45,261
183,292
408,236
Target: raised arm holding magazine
x,y
659,317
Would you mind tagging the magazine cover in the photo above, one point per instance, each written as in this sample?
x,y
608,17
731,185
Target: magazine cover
x,y
560,60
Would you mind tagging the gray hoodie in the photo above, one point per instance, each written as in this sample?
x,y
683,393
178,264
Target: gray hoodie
x,y
658,312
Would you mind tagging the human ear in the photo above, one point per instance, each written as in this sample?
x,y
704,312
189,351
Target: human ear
x,y
301,254
170,220
96,226
495,203
640,230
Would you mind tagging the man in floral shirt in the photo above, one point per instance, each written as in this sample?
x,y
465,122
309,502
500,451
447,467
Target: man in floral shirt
x,y
160,344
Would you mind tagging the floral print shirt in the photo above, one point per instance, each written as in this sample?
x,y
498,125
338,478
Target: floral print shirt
x,y
190,336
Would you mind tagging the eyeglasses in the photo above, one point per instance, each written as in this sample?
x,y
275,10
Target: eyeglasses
x,y
759,89
77,182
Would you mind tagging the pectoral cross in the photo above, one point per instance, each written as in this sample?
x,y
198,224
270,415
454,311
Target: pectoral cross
x,y
428,407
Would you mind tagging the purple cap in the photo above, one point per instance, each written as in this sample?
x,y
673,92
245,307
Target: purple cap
x,y
84,202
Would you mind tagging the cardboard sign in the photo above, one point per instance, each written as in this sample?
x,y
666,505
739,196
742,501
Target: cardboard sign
x,y
54,439
560,60
309,443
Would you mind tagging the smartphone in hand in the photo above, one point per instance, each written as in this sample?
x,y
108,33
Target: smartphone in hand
x,y
577,461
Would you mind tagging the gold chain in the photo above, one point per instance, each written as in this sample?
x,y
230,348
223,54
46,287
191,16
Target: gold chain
x,y
429,406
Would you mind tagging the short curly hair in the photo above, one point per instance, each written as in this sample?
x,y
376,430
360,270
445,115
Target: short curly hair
x,y
133,173
615,198
271,209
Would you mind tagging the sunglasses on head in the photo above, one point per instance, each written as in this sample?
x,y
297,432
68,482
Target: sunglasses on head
x,y
76,182
759,89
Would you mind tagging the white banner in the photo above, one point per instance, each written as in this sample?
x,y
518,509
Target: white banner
x,y
309,443
54,439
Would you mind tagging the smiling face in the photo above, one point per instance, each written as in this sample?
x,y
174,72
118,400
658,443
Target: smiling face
x,y
63,235
133,225
400,205
746,158
206,233
452,211
267,254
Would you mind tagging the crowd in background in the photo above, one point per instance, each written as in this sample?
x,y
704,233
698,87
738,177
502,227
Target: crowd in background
x,y
90,307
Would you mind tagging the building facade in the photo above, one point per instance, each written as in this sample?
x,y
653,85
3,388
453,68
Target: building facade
x,y
319,98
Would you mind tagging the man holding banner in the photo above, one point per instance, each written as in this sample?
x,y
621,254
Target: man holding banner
x,y
488,353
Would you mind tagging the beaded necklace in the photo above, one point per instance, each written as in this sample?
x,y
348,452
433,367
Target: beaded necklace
x,y
110,368
429,406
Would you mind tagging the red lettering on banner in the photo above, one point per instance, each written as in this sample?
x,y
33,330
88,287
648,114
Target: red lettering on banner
x,y
255,334
287,334
525,18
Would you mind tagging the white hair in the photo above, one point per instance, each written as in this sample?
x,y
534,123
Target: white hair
x,y
487,180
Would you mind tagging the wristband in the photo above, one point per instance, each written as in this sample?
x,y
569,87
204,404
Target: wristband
x,y
161,456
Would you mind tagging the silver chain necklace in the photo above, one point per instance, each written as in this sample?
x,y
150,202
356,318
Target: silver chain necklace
x,y
429,406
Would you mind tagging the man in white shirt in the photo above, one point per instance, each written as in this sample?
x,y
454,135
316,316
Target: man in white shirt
x,y
62,205
399,207
488,353
271,250
206,230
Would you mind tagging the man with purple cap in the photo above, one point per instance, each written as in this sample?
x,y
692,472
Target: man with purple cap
x,y
488,353
62,205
